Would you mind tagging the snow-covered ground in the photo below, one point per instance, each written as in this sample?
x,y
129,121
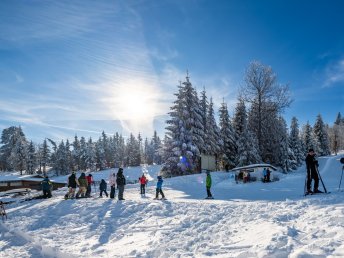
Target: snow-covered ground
x,y
245,220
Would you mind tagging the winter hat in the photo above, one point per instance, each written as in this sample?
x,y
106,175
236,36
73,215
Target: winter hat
x,y
89,174
311,150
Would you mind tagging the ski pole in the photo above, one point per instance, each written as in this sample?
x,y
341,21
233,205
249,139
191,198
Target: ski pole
x,y
341,179
322,182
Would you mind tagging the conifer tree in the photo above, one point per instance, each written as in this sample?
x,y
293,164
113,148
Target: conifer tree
x,y
321,137
295,142
31,163
228,138
185,132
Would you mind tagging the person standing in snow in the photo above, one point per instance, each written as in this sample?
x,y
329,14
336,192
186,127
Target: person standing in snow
x,y
112,182
143,181
82,186
159,188
120,183
72,183
265,175
208,183
312,173
102,188
46,187
89,182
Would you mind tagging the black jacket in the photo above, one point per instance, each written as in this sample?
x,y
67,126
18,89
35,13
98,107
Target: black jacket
x,y
103,185
72,181
120,179
311,164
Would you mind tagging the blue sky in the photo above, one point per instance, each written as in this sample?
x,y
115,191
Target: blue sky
x,y
81,67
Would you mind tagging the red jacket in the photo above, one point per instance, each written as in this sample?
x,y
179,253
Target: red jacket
x,y
143,180
89,180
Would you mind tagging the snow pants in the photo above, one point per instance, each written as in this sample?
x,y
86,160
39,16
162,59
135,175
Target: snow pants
x,y
208,192
143,189
120,192
81,192
47,193
159,190
101,193
112,192
88,191
313,175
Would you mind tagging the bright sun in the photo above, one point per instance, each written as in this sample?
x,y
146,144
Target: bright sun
x,y
135,101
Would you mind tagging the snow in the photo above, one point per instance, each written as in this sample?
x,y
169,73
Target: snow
x,y
245,220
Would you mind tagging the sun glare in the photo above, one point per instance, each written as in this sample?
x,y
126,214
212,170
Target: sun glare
x,y
135,101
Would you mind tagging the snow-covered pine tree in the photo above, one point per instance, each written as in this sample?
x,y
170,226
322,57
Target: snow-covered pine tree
x,y
213,142
321,137
69,158
91,158
45,155
100,154
240,117
295,143
336,135
76,153
9,138
185,133
286,158
60,165
157,145
18,157
31,163
248,152
228,139
204,106
82,153
307,138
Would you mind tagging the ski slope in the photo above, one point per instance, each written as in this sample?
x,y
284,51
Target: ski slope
x,y
244,220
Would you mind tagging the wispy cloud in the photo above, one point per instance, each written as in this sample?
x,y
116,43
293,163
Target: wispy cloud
x,y
334,73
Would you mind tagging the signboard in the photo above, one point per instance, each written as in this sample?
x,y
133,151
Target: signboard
x,y
208,162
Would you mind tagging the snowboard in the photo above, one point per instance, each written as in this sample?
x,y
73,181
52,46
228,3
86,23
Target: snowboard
x,y
316,193
209,198
160,199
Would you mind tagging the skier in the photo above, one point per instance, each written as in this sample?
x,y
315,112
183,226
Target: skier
x,y
89,182
72,183
82,186
112,182
159,189
46,187
102,188
312,173
120,183
208,182
143,181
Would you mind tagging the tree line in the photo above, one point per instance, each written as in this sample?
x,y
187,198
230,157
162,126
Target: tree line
x,y
17,153
255,133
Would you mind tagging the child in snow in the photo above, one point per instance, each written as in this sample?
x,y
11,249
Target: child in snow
x,y
112,182
120,183
82,186
208,185
102,188
143,181
46,187
159,188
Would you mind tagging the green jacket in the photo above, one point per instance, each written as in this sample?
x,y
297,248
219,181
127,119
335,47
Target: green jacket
x,y
208,181
82,182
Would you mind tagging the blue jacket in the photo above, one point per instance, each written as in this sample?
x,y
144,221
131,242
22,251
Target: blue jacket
x,y
159,183
46,184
